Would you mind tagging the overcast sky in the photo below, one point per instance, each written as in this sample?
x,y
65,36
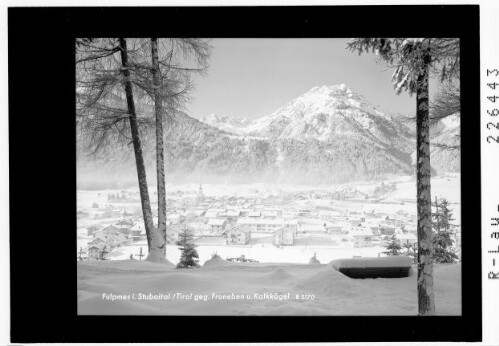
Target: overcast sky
x,y
254,77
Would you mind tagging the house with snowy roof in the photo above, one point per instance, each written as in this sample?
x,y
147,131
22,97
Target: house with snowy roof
x,y
217,225
356,221
95,251
138,227
254,214
238,235
362,236
106,231
124,224
266,225
126,232
232,215
136,235
283,236
115,240
335,227
96,241
386,229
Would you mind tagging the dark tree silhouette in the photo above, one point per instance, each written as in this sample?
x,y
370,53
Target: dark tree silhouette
x,y
393,248
412,60
444,229
189,257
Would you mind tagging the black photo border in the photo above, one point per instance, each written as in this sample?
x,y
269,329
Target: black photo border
x,y
42,166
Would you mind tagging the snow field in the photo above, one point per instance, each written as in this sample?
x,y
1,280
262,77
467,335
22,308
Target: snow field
x,y
266,289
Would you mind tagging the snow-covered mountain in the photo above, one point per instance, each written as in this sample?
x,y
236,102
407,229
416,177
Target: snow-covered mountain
x,y
328,134
321,114
445,139
234,125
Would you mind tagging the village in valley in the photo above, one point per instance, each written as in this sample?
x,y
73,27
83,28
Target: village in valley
x,y
257,223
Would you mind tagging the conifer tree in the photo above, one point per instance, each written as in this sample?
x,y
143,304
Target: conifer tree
x,y
442,240
413,59
393,248
189,257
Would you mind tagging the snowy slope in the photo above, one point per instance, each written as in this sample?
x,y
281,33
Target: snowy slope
x,y
140,288
233,125
328,111
322,113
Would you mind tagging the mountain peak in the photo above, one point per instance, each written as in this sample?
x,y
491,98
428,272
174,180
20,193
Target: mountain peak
x,y
332,90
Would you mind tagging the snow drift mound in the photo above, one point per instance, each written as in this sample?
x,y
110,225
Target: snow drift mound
x,y
328,282
125,265
314,260
216,261
278,275
179,281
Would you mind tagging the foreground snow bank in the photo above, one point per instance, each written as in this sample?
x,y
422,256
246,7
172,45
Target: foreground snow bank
x,y
225,288
216,261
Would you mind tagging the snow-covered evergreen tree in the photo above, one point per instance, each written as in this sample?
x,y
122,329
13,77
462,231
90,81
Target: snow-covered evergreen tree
x,y
413,59
189,257
393,248
410,251
444,229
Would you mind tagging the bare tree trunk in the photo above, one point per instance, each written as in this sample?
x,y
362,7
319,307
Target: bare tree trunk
x,y
153,240
426,301
160,160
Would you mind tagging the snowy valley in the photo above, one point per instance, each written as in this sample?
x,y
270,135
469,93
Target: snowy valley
x,y
271,203
327,222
